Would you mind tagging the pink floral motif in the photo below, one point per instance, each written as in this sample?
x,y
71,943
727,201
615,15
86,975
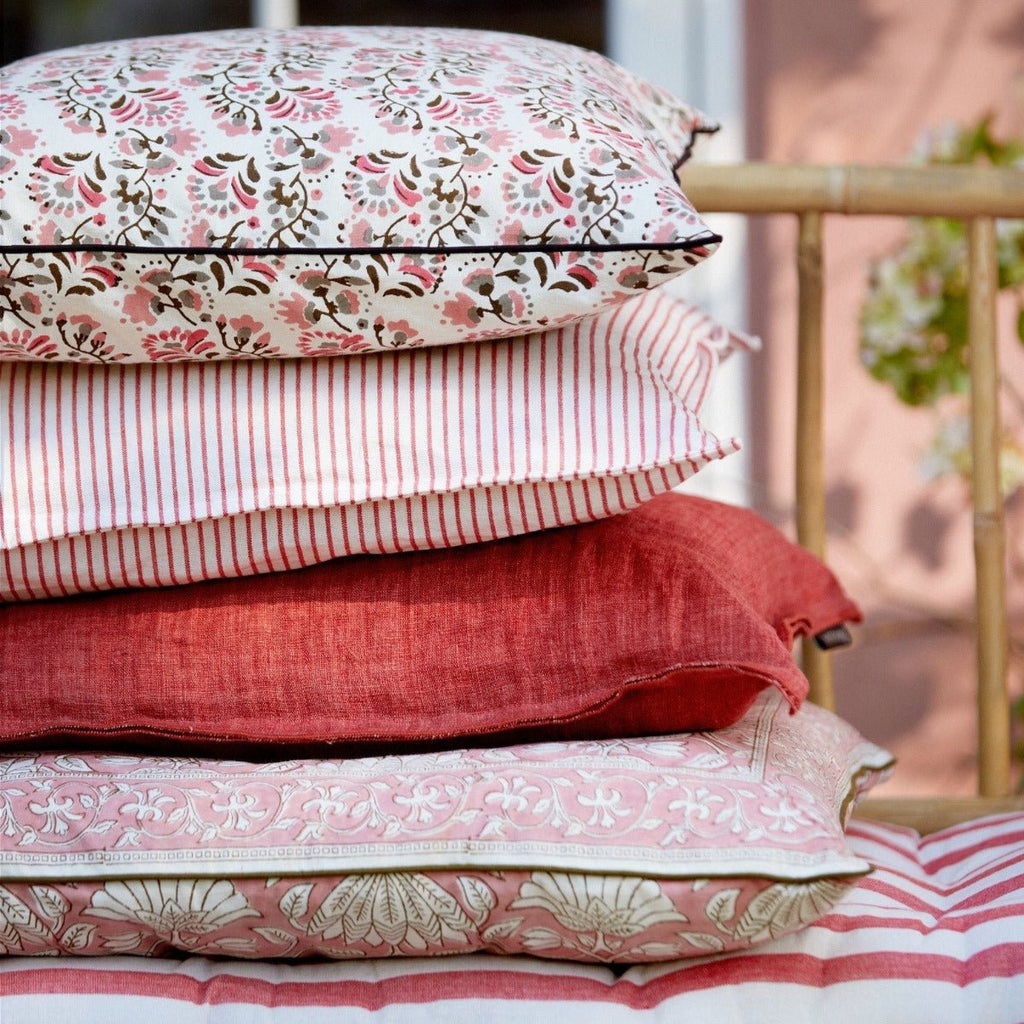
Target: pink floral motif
x,y
465,107
178,343
484,298
223,187
298,310
395,334
151,107
304,103
67,185
331,343
141,306
243,335
14,142
24,344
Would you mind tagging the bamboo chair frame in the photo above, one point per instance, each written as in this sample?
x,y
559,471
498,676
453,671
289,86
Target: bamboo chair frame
x,y
977,195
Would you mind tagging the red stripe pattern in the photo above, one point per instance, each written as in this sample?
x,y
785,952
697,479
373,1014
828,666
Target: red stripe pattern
x,y
935,934
137,475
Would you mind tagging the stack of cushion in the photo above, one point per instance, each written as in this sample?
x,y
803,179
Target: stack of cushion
x,y
342,414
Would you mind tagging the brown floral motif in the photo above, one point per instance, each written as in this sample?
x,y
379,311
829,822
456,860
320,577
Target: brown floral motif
x,y
290,204
245,336
233,94
81,101
82,336
19,290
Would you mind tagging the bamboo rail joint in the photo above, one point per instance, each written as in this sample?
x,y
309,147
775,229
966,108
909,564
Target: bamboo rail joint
x,y
976,194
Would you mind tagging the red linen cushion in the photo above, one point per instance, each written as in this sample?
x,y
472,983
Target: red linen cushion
x,y
672,617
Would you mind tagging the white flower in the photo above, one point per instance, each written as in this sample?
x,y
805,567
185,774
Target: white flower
x,y
240,809
606,905
605,807
423,801
514,796
177,910
58,814
392,909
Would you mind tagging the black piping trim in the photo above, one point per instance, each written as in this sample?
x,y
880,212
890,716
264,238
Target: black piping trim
x,y
708,238
704,129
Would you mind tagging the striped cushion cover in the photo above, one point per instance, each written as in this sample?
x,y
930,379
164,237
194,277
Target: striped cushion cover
x,y
139,475
935,934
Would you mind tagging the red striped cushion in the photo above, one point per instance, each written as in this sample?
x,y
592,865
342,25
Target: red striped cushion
x,y
149,475
935,935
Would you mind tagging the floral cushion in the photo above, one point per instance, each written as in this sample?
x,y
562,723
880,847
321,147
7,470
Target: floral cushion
x,y
616,850
319,191
146,475
935,933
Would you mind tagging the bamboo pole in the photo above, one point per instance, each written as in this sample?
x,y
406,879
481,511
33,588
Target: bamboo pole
x,y
810,427
976,194
989,537
955,191
929,814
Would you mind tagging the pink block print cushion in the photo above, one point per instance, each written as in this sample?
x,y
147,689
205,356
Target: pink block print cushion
x,y
934,933
613,850
319,191
673,616
145,475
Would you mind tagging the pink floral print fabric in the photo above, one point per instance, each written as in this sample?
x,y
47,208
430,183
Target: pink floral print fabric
x,y
934,933
623,849
321,191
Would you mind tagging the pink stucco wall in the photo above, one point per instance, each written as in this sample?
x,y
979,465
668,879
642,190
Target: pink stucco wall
x,y
859,81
